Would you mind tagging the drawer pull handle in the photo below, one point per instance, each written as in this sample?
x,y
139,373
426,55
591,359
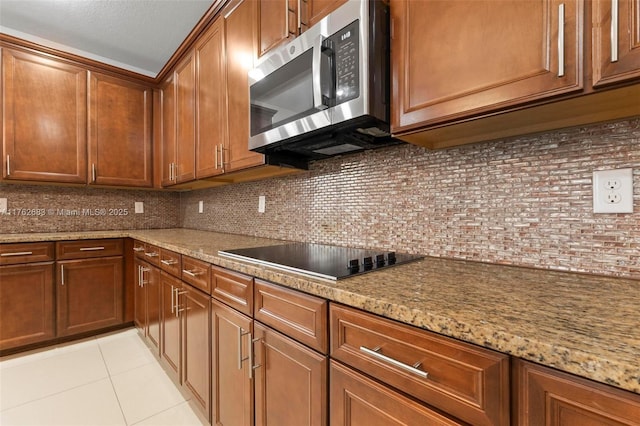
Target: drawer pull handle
x,y
168,262
138,249
561,40
241,334
17,253
192,273
410,368
91,248
252,364
615,17
152,254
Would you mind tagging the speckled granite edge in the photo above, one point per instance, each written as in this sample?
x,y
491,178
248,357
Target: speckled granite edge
x,y
443,300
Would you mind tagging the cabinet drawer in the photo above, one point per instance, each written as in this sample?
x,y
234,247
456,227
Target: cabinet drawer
x,y
356,400
151,254
542,393
82,249
298,315
197,273
15,253
468,382
171,262
233,288
138,249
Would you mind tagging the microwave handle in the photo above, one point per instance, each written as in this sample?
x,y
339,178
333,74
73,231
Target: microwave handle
x,y
317,75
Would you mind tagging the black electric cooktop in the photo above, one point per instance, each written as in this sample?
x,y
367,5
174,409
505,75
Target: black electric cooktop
x,y
321,261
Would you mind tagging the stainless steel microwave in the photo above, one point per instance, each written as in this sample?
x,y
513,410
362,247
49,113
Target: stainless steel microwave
x,y
326,92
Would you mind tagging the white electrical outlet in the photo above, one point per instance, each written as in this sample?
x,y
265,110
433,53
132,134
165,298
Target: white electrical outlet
x,y
613,191
200,206
139,207
3,205
261,203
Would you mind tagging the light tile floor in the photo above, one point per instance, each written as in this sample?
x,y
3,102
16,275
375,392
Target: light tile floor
x,y
107,380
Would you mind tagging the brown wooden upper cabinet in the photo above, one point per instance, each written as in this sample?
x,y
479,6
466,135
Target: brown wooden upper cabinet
x,y
185,110
455,59
616,41
280,21
211,123
168,129
45,119
178,123
318,9
240,23
119,132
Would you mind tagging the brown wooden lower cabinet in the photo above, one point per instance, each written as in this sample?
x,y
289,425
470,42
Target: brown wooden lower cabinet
x,y
547,397
89,294
357,400
170,329
194,311
147,302
185,338
466,381
290,381
231,380
27,302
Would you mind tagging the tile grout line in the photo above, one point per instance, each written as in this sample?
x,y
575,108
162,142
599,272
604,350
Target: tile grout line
x,y
113,388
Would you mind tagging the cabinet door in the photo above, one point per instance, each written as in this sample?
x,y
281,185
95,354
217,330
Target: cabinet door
x,y
185,103
194,307
89,294
151,279
290,381
26,304
45,119
279,22
616,41
231,385
140,298
544,396
170,330
318,9
240,39
359,401
119,132
168,138
211,136
456,59
147,302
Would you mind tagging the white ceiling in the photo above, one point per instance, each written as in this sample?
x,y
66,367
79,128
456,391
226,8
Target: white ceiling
x,y
137,35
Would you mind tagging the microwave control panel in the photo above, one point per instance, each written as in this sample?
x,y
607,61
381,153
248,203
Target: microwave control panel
x,y
346,50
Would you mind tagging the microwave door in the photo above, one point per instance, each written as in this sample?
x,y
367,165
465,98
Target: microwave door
x,y
283,104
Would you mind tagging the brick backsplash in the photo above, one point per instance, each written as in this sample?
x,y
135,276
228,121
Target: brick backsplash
x,y
523,201
36,208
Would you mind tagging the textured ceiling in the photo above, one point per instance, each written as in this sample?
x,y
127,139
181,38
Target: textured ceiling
x,y
137,35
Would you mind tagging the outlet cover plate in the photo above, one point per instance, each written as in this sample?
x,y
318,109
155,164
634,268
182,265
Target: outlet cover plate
x,y
613,191
261,203
139,207
3,205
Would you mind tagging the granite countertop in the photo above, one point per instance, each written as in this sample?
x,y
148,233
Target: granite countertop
x,y
582,324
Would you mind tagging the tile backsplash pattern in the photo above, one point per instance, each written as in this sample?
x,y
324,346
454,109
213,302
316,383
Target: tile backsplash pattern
x,y
54,208
524,201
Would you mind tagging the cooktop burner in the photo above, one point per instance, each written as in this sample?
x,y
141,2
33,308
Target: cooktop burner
x,y
318,260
